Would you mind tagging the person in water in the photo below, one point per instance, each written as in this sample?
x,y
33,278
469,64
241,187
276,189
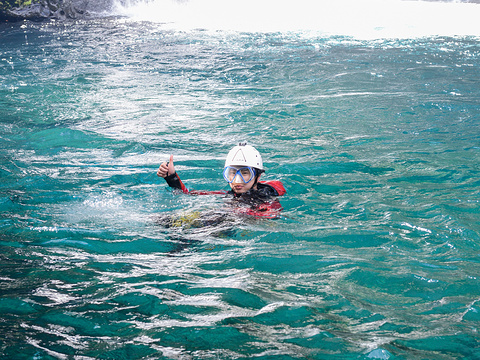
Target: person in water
x,y
242,171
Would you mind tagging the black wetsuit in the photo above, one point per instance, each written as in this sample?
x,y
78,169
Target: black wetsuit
x,y
260,201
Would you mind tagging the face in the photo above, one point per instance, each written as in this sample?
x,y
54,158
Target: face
x,y
241,179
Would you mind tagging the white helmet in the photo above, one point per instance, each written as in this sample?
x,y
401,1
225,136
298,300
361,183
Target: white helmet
x,y
244,155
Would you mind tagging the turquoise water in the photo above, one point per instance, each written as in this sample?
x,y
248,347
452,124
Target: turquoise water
x,y
375,255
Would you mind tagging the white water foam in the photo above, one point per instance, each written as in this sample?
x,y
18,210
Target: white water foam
x,y
366,19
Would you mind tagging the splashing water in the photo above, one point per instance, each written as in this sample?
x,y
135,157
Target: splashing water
x,y
367,19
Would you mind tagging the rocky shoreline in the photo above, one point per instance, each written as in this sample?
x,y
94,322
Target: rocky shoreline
x,y
38,10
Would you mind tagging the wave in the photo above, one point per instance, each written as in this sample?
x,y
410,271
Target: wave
x,y
368,19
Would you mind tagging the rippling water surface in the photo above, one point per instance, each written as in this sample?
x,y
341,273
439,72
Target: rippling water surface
x,y
375,255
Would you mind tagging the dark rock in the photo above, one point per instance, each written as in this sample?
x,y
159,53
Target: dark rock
x,y
31,12
55,9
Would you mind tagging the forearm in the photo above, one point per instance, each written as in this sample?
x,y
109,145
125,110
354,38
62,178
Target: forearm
x,y
175,182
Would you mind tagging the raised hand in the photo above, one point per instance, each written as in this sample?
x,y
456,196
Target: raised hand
x,y
166,168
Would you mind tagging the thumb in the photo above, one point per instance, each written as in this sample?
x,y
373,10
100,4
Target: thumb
x,y
171,167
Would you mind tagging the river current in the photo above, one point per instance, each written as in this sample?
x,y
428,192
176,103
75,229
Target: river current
x,y
375,135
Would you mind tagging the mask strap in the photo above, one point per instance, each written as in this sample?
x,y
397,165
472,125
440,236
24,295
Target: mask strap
x,y
257,175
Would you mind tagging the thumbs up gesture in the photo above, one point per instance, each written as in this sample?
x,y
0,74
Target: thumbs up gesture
x,y
166,168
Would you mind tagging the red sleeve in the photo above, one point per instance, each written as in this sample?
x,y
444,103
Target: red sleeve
x,y
175,182
269,210
203,192
277,185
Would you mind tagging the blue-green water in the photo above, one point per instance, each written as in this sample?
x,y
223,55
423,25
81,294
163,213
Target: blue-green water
x,y
375,256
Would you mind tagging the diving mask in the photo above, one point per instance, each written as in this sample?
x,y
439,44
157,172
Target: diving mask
x,y
245,173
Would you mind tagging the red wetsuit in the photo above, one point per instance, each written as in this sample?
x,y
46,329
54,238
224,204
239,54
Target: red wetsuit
x,y
259,202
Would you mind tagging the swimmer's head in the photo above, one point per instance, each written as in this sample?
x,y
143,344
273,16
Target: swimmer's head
x,y
243,168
